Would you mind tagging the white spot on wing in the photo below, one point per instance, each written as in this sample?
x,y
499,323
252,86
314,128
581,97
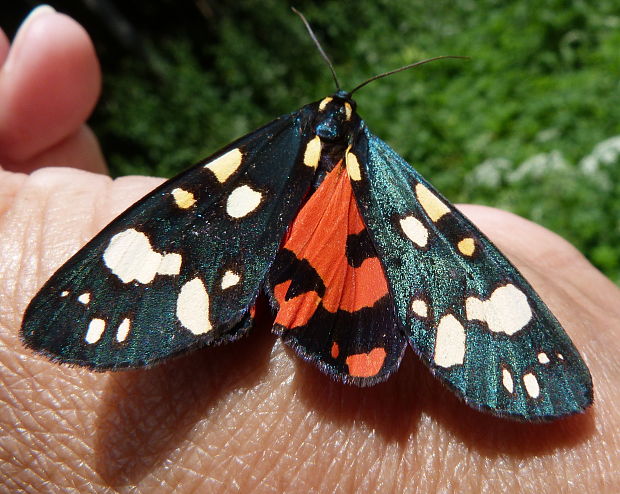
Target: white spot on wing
x,y
95,330
227,164
131,257
193,307
467,246
170,264
313,152
123,330
506,310
560,356
415,230
353,166
419,307
531,385
242,201
229,279
507,380
434,207
183,199
64,293
449,342
543,358
84,298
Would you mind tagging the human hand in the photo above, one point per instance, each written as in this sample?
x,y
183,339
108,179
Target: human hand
x,y
250,415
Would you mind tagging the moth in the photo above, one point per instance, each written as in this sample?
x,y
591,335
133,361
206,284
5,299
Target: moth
x,y
358,254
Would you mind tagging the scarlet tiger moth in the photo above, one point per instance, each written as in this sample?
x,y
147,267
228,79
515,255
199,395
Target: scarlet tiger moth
x,y
357,252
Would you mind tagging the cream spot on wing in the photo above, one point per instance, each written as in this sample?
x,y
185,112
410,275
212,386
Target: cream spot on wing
x,y
95,330
531,385
434,207
449,342
193,307
543,358
324,103
507,380
64,293
229,279
348,110
123,330
506,311
560,356
183,198
242,201
419,307
227,164
84,298
415,230
130,256
353,166
170,264
313,153
467,246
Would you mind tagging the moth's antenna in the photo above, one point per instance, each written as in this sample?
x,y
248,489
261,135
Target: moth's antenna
x,y
318,45
406,67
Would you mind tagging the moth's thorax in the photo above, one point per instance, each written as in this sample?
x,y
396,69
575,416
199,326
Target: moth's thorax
x,y
335,122
335,118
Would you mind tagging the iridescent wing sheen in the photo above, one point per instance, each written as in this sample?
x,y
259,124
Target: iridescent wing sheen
x,y
467,311
182,267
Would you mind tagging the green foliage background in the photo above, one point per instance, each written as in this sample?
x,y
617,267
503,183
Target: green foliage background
x,y
526,125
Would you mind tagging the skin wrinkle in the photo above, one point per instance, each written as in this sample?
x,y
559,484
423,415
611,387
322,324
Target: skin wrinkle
x,y
248,451
281,440
275,454
48,409
193,479
349,468
394,462
376,467
335,469
124,472
12,257
58,476
40,220
298,468
11,185
99,215
10,392
367,450
269,430
307,449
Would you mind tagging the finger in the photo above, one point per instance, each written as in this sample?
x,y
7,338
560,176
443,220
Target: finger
x,y
49,85
4,47
79,150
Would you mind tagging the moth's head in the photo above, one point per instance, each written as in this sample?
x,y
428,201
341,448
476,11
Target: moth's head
x,y
336,113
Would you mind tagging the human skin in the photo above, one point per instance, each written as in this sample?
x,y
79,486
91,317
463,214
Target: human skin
x,y
250,416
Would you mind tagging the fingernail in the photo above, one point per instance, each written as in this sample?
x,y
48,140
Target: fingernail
x,y
39,11
34,13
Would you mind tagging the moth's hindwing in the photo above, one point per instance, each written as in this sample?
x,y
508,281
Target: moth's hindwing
x,y
183,266
466,309
334,305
